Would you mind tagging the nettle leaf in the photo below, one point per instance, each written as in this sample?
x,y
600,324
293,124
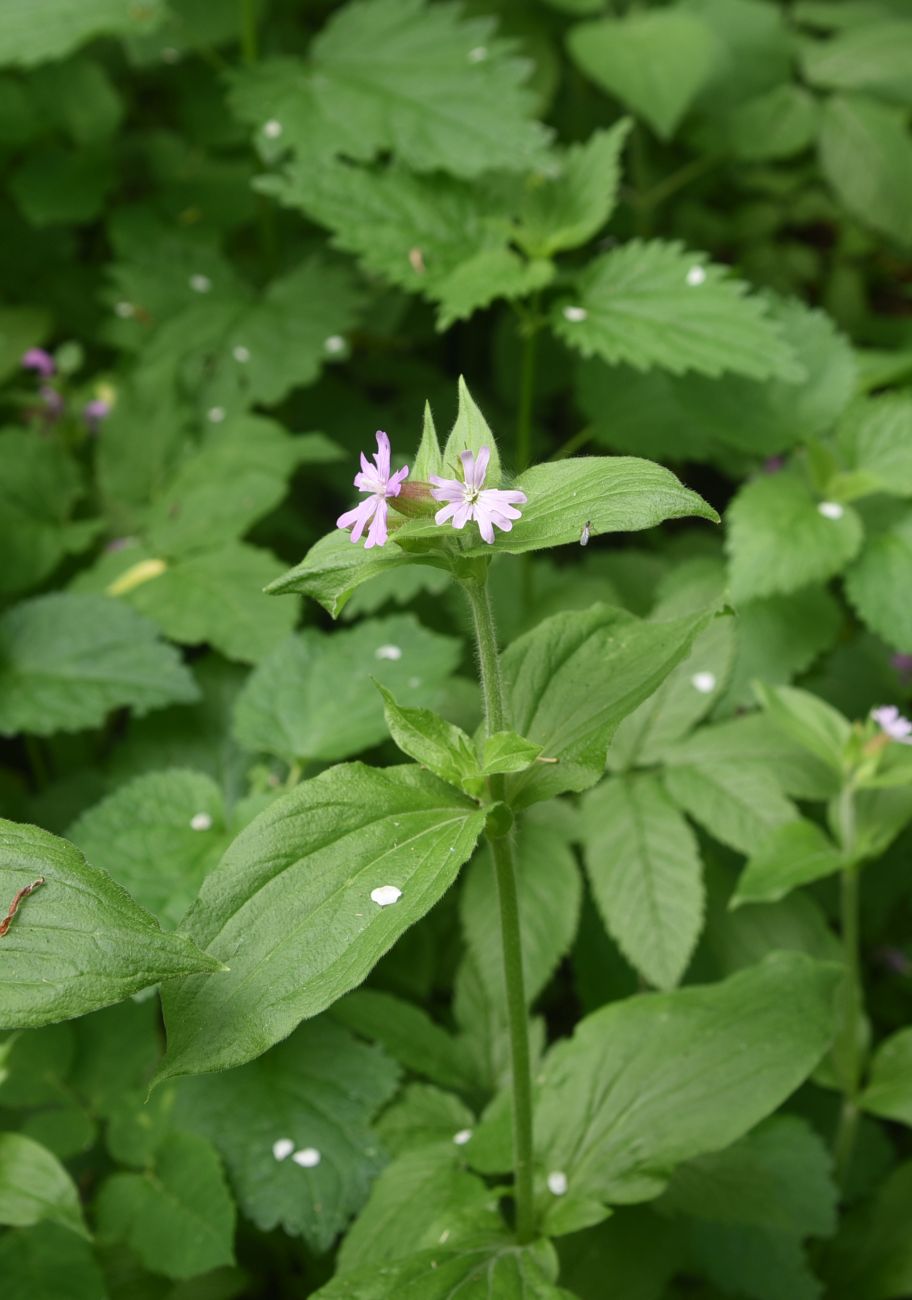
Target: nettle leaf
x,y
158,836
866,155
421,1116
79,942
658,304
877,584
793,855
67,660
315,696
550,894
889,1090
35,1187
655,63
876,438
644,866
780,538
739,806
409,1035
567,209
422,1195
37,31
319,1090
489,1270
430,84
291,904
179,1216
660,1078
46,1262
876,56
573,678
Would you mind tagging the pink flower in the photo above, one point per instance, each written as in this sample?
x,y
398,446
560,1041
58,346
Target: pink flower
x,y
377,480
893,724
40,361
470,499
94,412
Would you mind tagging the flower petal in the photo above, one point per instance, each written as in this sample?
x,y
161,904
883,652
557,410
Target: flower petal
x,y
360,517
447,489
481,466
377,535
382,456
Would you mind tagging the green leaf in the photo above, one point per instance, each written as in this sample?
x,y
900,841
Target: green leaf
x,y
433,742
866,155
738,806
37,31
875,57
409,1034
550,894
421,1196
660,1078
315,698
47,1262
39,488
490,1270
20,329
291,903
34,1186
567,209
428,458
67,660
889,1090
179,1216
777,124
319,1089
79,97
872,1255
814,724
506,752
877,584
573,678
655,63
645,871
742,1260
104,946
658,304
793,855
470,432
780,539
71,189
876,439
435,87
158,836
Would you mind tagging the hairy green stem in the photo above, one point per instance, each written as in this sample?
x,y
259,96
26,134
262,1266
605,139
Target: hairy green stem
x,y
249,51
844,1141
511,936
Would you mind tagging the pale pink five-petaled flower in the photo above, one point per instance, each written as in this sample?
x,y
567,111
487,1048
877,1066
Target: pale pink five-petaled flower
x,y
469,498
377,480
893,724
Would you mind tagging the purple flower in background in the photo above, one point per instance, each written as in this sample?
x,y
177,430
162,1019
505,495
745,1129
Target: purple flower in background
x,y
53,403
773,464
94,412
470,499
893,724
40,361
376,480
902,664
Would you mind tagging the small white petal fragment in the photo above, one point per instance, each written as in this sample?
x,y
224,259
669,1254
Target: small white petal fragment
x,y
216,415
385,895
462,1137
696,276
479,54
704,682
124,310
334,344
388,652
272,129
307,1157
200,283
830,510
557,1182
282,1148
201,821
241,354
575,313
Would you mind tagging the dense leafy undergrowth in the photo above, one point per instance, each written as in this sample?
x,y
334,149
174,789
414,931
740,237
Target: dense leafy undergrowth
x,y
518,906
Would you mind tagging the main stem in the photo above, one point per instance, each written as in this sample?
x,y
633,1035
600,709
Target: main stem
x,y
844,1143
510,933
248,31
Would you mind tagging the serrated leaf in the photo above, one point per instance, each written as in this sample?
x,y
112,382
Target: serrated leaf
x,y
79,942
649,1082
46,1262
296,885
550,894
314,697
876,56
889,1090
179,1216
876,438
877,584
779,540
420,1116
657,304
320,1090
34,1186
37,31
866,155
158,836
793,855
408,1033
67,660
572,679
655,63
738,806
645,871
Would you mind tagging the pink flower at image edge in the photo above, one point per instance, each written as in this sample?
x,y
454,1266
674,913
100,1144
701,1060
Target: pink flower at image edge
x,y
40,361
893,724
376,480
469,499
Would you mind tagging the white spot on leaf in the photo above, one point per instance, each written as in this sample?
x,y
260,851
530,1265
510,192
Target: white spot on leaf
x,y
704,682
307,1157
557,1182
200,283
462,1137
385,895
241,354
575,313
388,652
696,276
272,129
479,54
124,310
831,510
216,414
334,344
201,821
282,1148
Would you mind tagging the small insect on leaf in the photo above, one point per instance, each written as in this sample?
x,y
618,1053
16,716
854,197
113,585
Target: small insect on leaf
x,y
586,533
14,905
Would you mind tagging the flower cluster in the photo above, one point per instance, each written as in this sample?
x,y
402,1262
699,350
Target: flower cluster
x,y
465,498
53,406
893,724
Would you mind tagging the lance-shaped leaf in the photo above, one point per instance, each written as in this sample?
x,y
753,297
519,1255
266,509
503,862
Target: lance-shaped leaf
x,y
573,678
649,1082
306,901
78,942
793,855
889,1090
34,1186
